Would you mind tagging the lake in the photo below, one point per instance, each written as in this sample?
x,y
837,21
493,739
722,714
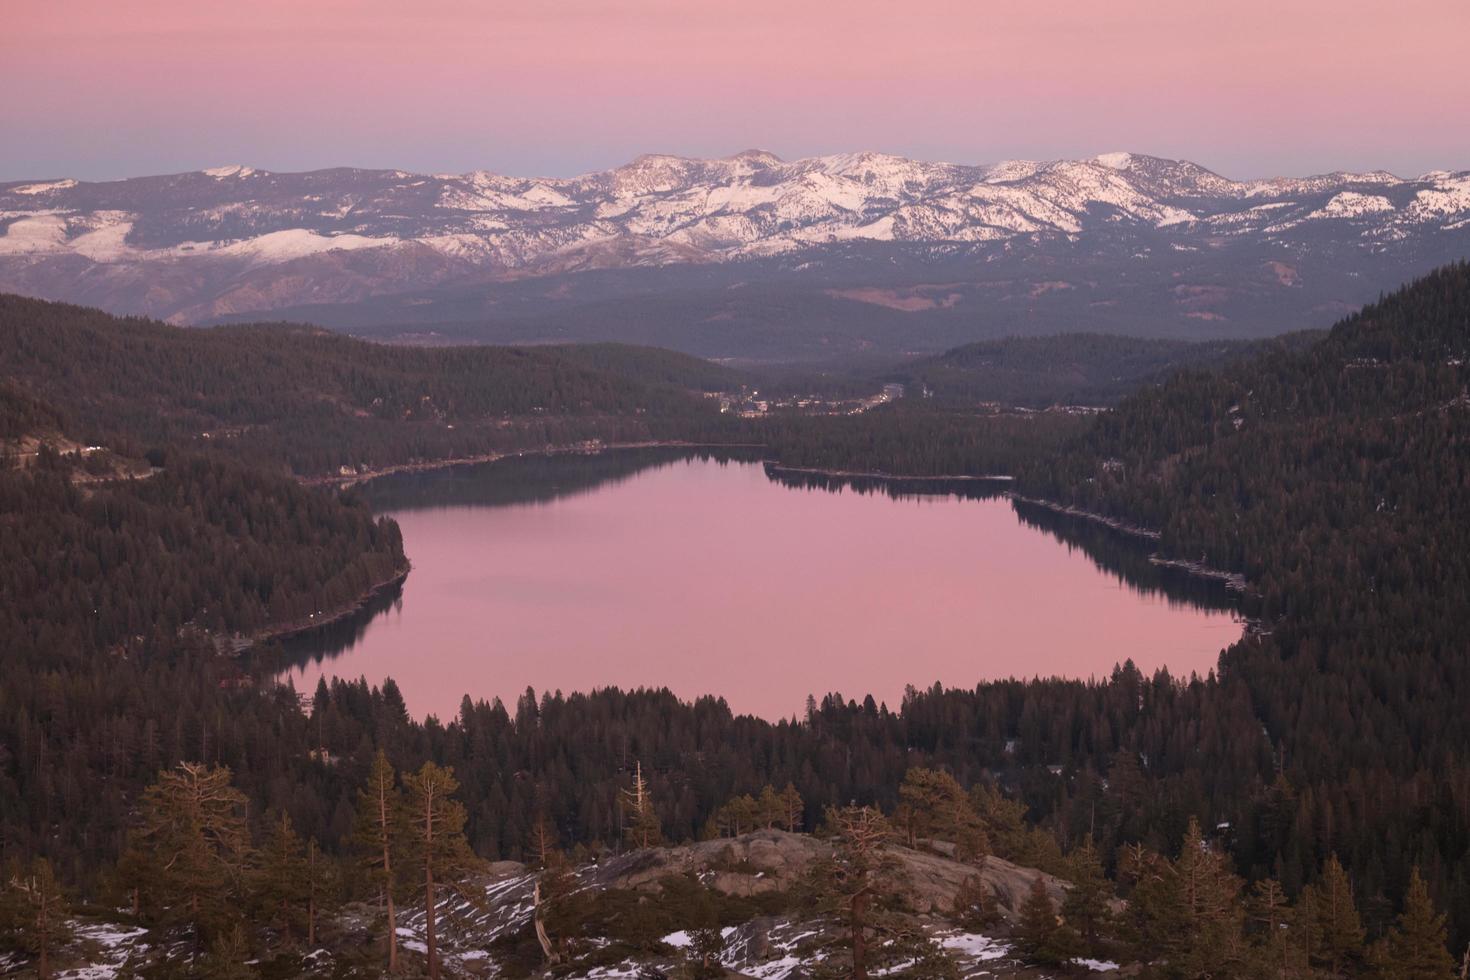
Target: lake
x,y
712,575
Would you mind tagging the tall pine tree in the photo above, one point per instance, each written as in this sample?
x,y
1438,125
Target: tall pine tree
x,y
1087,907
34,917
1334,930
282,886
1415,948
438,846
192,845
380,836
1041,936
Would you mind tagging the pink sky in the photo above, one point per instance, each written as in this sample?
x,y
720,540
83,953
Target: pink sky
x,y
106,88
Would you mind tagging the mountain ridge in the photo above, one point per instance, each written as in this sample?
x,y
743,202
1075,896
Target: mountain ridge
x,y
227,241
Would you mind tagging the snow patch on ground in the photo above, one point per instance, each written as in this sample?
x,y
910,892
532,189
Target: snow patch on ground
x,y
45,188
778,969
1351,204
108,241
110,946
1450,197
1096,966
43,233
973,946
1174,216
623,971
295,243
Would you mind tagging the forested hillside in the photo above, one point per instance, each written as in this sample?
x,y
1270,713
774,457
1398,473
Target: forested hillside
x,y
653,365
22,414
126,566
316,401
1070,369
912,437
1337,479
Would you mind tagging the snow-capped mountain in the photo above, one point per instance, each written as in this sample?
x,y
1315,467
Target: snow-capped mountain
x,y
235,240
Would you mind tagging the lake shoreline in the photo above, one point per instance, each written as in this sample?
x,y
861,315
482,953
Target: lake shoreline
x,y
295,628
589,448
1234,581
873,475
1125,527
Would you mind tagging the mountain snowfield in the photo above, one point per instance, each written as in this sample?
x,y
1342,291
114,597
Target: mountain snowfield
x,y
235,239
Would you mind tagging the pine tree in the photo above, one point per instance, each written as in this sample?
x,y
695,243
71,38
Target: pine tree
x,y
194,842
321,881
739,815
793,808
33,914
938,808
436,834
1185,913
379,835
706,940
769,807
1154,915
863,884
130,878
1334,930
1041,937
905,820
281,880
923,959
542,840
1416,946
1009,836
706,946
227,956
1209,899
642,826
974,905
1274,923
1086,907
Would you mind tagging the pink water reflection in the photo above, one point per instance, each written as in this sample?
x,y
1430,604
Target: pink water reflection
x,y
709,578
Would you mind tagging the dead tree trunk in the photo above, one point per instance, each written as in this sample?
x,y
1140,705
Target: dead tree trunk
x,y
547,949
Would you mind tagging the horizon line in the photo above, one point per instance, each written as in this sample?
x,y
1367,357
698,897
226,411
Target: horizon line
x,y
1096,159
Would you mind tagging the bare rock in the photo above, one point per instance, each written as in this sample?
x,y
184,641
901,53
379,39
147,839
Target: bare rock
x,y
935,878
752,864
774,860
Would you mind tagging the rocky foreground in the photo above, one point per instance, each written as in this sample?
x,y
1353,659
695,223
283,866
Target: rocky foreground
x,y
489,932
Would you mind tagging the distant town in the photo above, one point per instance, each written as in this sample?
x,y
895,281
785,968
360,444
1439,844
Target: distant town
x,y
748,403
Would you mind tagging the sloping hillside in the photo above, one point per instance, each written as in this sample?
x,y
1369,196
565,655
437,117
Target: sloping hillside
x,y
1336,479
318,401
1068,369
